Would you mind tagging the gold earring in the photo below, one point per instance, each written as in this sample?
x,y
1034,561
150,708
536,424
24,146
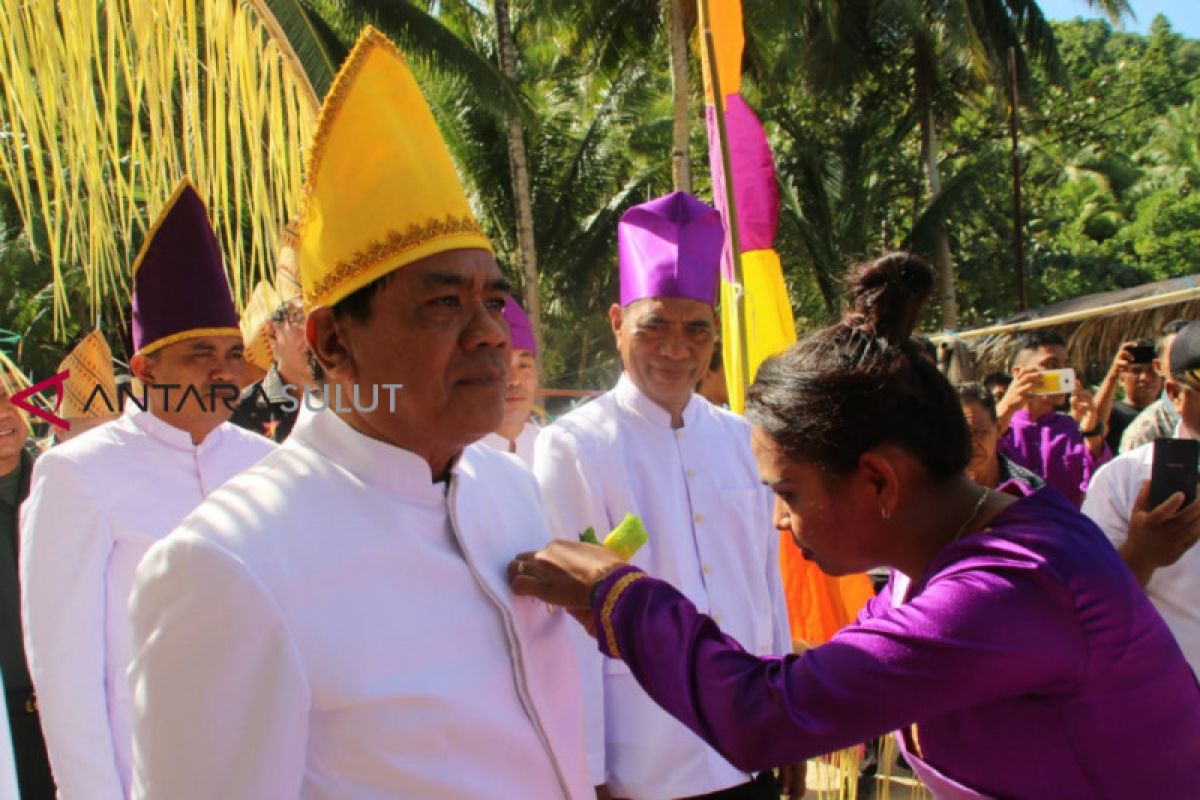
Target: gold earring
x,y
883,512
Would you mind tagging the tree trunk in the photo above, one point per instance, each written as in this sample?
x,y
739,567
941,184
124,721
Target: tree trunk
x,y
923,79
519,166
681,164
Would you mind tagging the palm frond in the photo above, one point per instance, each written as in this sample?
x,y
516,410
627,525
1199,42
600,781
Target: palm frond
x,y
108,103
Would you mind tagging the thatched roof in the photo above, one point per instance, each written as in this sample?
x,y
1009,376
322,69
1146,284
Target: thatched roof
x,y
1094,325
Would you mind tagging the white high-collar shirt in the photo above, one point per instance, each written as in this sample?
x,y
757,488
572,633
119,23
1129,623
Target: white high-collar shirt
x,y
709,520
1175,589
522,448
334,624
96,504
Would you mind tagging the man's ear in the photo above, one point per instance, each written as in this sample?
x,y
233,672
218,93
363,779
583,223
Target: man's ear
x,y
326,338
272,331
616,316
1174,393
143,368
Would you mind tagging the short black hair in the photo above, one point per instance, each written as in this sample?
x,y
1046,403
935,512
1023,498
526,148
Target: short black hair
x,y
994,379
1035,340
977,393
356,306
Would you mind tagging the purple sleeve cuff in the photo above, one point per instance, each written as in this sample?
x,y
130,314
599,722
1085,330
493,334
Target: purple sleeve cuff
x,y
605,603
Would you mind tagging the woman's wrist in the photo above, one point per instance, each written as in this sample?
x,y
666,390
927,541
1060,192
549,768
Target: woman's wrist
x,y
605,594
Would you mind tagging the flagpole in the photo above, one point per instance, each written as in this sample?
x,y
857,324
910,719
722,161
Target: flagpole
x,y
735,242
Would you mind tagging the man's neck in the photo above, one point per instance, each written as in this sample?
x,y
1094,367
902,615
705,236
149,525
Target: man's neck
x,y
198,433
511,430
290,380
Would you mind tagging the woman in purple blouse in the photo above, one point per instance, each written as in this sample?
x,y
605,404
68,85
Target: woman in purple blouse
x,y
1013,650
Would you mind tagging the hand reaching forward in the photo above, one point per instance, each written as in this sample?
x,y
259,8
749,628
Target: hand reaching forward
x,y
563,574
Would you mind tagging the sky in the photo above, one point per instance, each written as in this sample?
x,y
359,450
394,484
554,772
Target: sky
x,y
1183,14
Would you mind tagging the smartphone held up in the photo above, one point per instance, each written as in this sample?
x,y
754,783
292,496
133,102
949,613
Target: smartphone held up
x,y
1174,469
1056,381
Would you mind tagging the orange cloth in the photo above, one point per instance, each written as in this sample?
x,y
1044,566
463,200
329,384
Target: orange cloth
x,y
819,605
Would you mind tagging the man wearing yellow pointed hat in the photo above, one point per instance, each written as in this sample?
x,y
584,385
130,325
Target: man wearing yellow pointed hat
x,y
270,406
17,455
99,501
90,392
335,622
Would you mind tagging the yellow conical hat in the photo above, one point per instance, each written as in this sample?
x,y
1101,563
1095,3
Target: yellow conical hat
x,y
91,365
287,265
382,191
263,302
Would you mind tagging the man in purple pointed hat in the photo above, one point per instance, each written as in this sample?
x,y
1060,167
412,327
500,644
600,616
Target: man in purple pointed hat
x,y
99,501
653,448
517,433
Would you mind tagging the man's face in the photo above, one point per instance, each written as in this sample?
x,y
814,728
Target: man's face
x,y
1184,393
522,386
209,367
1141,384
436,327
286,333
1046,357
984,435
666,344
13,432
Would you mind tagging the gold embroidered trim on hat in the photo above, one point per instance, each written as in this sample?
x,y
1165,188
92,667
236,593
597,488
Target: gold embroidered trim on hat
x,y
194,333
162,216
610,602
393,243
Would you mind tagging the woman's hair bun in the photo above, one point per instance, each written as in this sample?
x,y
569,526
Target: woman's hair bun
x,y
889,294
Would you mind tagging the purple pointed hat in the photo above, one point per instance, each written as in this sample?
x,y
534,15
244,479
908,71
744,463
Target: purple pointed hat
x,y
670,247
519,327
179,286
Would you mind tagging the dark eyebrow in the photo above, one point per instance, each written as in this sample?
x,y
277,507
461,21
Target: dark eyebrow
x,y
203,347
443,280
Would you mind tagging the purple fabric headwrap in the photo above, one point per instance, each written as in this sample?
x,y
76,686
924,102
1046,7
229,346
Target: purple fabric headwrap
x,y
670,247
519,327
179,286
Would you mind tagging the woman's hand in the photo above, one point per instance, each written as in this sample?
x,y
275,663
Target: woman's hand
x,y
563,574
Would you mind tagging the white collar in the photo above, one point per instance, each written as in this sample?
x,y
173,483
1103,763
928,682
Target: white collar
x,y
166,433
371,461
630,397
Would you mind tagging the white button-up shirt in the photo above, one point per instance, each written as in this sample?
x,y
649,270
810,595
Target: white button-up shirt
x,y
96,504
523,445
334,624
709,520
1174,590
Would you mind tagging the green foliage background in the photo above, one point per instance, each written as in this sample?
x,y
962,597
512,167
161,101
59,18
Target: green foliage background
x,y
1110,147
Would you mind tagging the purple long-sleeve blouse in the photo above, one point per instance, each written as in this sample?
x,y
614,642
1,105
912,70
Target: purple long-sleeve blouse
x,y
1029,658
1052,447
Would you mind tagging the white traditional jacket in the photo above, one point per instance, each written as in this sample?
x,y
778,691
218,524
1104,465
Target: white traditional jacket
x,y
96,504
334,624
709,520
524,443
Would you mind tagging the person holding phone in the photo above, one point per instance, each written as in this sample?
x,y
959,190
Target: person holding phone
x,y
1158,539
1141,384
1061,449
